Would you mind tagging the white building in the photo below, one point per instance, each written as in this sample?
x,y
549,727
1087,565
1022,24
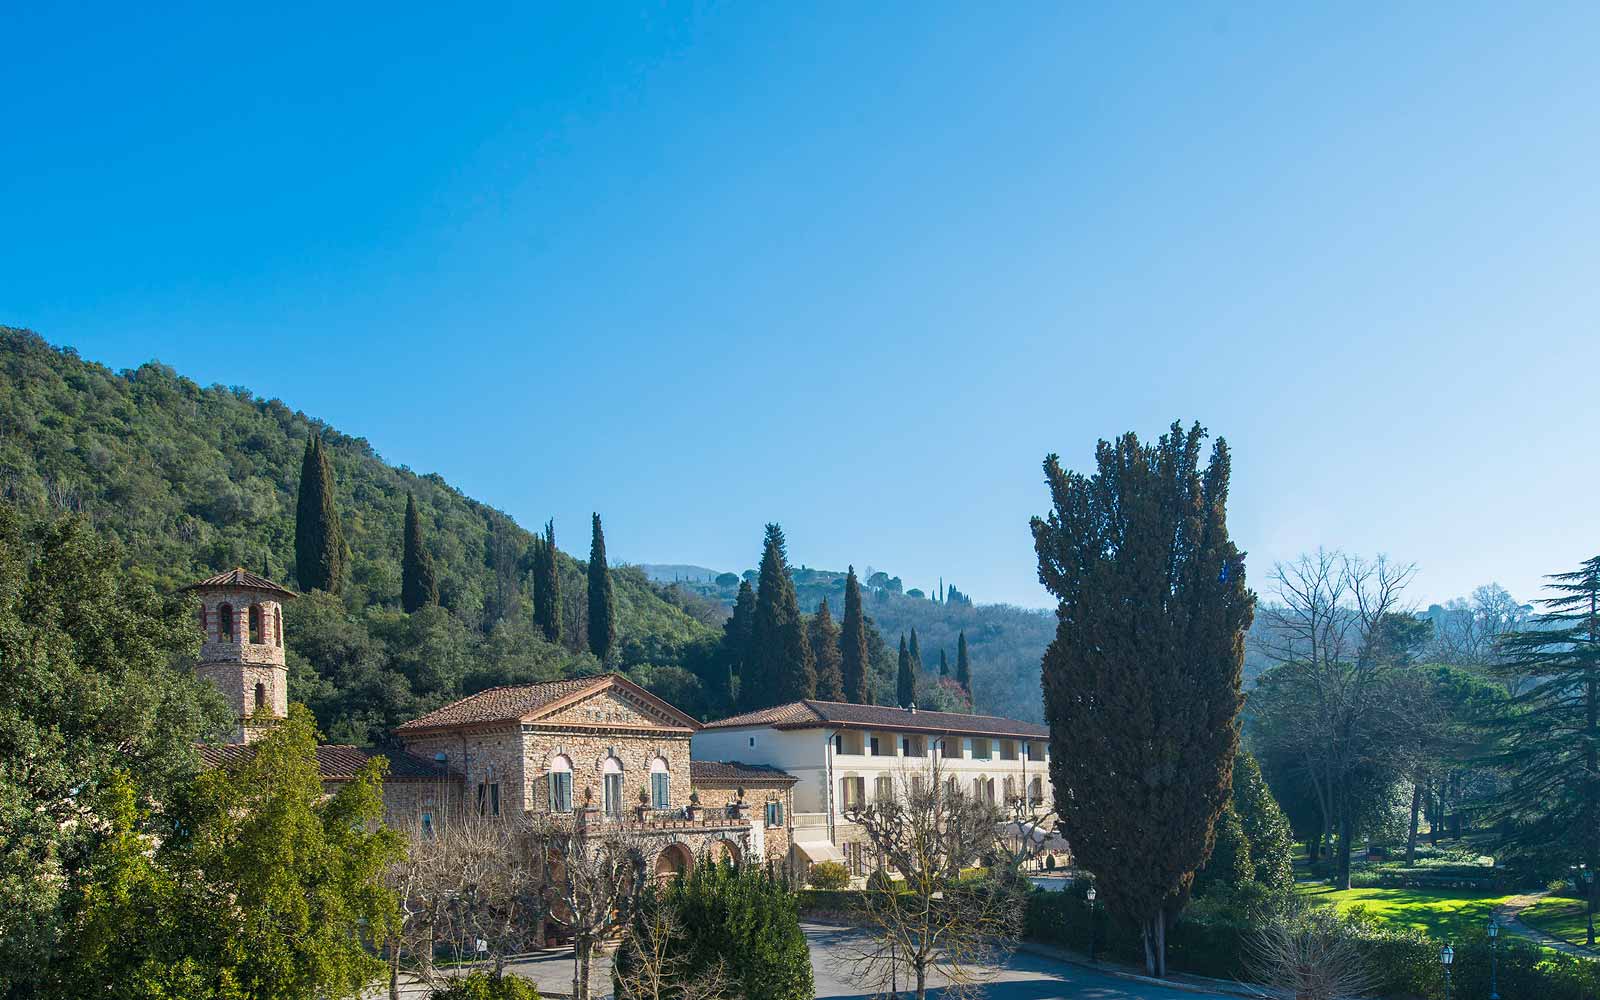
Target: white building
x,y
848,755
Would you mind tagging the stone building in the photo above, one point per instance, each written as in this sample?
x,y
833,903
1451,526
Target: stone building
x,y
599,751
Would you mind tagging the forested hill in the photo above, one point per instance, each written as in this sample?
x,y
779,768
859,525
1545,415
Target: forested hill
x,y
194,480
1005,642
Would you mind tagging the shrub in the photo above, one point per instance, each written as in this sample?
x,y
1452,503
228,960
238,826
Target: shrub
x,y
829,875
880,881
486,986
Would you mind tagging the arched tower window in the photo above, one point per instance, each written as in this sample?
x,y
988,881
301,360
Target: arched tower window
x,y
261,696
277,626
660,784
255,623
611,770
225,623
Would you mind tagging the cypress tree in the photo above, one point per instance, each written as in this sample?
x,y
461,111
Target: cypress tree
x,y
602,601
782,668
905,682
547,585
1141,683
963,664
319,550
944,664
916,655
853,645
419,585
737,633
824,635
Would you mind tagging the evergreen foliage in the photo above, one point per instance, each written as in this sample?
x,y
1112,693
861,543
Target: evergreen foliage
x,y
419,584
1263,824
824,637
916,655
319,546
738,633
547,585
1552,738
1141,683
782,669
95,683
905,679
602,600
741,916
963,664
853,645
944,664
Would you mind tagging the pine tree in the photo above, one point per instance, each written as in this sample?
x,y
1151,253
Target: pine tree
x,y
824,636
547,585
905,681
1552,741
602,601
419,584
1142,677
319,550
853,645
944,664
916,655
782,668
963,665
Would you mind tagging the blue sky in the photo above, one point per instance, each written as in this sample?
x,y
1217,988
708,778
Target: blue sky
x,y
855,268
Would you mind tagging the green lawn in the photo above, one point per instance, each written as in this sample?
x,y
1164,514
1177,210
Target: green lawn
x,y
1442,914
1558,917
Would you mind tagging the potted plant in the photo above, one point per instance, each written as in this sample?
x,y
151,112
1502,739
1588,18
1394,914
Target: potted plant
x,y
693,809
644,802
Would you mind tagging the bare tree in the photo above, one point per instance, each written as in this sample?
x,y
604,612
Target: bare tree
x,y
1336,630
930,921
1468,631
597,872
658,963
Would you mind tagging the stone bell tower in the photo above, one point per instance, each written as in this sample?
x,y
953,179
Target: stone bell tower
x,y
241,618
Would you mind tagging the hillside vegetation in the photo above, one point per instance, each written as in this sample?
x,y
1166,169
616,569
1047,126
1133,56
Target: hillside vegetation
x,y
191,480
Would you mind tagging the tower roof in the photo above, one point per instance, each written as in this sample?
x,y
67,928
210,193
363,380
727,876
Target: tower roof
x,y
240,578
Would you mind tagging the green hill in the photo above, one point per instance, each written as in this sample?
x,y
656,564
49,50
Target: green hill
x,y
192,480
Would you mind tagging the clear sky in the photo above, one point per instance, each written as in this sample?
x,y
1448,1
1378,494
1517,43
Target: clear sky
x,y
855,268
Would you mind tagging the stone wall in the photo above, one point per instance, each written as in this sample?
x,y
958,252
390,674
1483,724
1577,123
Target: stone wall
x,y
588,750
478,756
715,797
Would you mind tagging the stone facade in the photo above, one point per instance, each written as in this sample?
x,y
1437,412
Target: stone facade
x,y
241,649
718,796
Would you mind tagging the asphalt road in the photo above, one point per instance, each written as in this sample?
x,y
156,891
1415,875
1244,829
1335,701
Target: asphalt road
x,y
1024,977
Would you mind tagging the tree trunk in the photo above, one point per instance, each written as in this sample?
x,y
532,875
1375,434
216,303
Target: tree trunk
x,y
394,969
922,983
1161,943
580,985
1149,953
1416,814
1344,852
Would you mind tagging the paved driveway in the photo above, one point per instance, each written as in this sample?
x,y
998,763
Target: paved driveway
x,y
1024,977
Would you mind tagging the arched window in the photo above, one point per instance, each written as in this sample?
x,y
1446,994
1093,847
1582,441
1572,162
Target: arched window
x,y
612,771
660,784
255,623
277,626
560,781
1036,792
225,623
261,696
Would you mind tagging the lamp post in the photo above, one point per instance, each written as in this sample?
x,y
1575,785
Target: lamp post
x,y
1447,955
1494,959
1588,895
1089,895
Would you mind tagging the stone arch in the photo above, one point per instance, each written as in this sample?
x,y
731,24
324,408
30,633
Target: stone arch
x,y
261,696
720,850
254,621
673,860
225,623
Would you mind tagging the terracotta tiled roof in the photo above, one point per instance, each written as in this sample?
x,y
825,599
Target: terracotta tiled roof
x,y
334,761
735,771
811,714
526,701
242,578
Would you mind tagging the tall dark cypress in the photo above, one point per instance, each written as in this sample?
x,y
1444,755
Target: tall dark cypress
x,y
602,601
419,585
905,681
916,655
782,668
547,585
944,664
963,664
853,645
824,636
1143,675
319,551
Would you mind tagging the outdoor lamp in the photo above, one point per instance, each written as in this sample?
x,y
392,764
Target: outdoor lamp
x,y
1588,876
1090,894
1494,928
1447,955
